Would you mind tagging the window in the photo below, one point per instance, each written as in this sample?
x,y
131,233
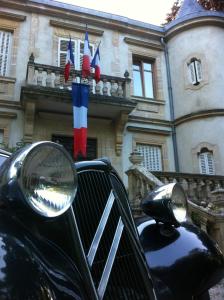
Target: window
x,y
143,78
78,48
195,71
5,41
152,156
206,162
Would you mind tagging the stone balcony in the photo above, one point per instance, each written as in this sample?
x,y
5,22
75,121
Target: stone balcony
x,y
45,84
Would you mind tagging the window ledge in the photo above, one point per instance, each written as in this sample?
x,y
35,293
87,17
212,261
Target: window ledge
x,y
7,79
149,100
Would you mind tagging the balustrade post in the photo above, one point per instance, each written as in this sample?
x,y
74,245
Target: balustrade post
x,y
57,79
49,78
105,87
40,77
127,85
113,90
31,70
120,89
98,88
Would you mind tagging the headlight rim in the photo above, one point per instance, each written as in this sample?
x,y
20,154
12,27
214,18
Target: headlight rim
x,y
20,161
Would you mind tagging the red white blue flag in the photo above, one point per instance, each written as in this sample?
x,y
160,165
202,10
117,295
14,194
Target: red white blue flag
x,y
86,58
80,99
69,60
96,65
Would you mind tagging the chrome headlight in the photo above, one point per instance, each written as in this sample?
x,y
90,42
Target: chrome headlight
x,y
44,176
167,204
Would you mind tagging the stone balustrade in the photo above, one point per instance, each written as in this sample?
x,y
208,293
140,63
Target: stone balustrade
x,y
53,77
198,188
205,195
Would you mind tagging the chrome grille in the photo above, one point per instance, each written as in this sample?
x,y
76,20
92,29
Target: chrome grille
x,y
113,261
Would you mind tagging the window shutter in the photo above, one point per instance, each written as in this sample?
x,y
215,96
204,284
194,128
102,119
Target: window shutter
x,y
198,70
202,163
192,73
5,39
62,50
210,160
206,163
152,157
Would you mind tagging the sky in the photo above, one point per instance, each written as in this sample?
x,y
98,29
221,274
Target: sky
x,y
149,11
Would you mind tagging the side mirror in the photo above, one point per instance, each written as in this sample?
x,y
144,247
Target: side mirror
x,y
166,204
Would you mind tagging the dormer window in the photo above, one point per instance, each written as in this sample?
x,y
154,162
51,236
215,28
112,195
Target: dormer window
x,y
195,71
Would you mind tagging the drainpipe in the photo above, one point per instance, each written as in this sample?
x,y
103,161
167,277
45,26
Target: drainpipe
x,y
170,92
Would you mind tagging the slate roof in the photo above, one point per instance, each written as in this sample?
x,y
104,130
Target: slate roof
x,y
191,9
99,14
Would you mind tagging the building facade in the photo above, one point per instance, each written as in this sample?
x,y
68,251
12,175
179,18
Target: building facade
x,y
160,90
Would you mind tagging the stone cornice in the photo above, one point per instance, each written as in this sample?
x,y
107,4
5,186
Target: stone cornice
x,y
8,115
149,130
75,27
199,115
10,104
7,79
12,16
82,17
145,44
186,25
150,121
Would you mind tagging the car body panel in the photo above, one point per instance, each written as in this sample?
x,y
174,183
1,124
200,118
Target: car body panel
x,y
183,261
32,268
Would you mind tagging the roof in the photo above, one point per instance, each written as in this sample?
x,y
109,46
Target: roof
x,y
191,9
99,14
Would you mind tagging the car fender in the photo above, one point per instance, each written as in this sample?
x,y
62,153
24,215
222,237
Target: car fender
x,y
32,268
183,261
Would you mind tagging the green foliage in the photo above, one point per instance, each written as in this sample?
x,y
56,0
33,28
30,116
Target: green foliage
x,y
18,145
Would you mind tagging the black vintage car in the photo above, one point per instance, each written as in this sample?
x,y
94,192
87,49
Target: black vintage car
x,y
67,232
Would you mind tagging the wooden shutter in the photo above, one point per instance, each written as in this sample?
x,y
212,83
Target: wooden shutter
x,y
62,50
192,74
206,163
5,40
198,70
152,156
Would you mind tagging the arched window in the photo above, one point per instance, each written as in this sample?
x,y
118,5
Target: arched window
x,y
206,162
195,71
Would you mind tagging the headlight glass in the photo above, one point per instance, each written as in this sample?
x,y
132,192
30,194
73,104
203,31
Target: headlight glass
x,y
179,203
48,179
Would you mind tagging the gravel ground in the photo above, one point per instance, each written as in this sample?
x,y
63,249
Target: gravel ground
x,y
217,292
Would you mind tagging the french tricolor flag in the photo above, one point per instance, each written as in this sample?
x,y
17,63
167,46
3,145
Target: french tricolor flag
x,y
86,58
80,99
69,60
96,65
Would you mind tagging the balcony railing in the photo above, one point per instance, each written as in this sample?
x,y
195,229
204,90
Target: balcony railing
x,y
205,195
53,77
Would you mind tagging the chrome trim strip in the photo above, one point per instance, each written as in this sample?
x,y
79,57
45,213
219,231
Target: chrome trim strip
x,y
100,229
110,259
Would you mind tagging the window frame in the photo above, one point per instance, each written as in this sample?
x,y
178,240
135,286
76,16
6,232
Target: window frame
x,y
76,51
161,167
140,61
204,155
195,71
